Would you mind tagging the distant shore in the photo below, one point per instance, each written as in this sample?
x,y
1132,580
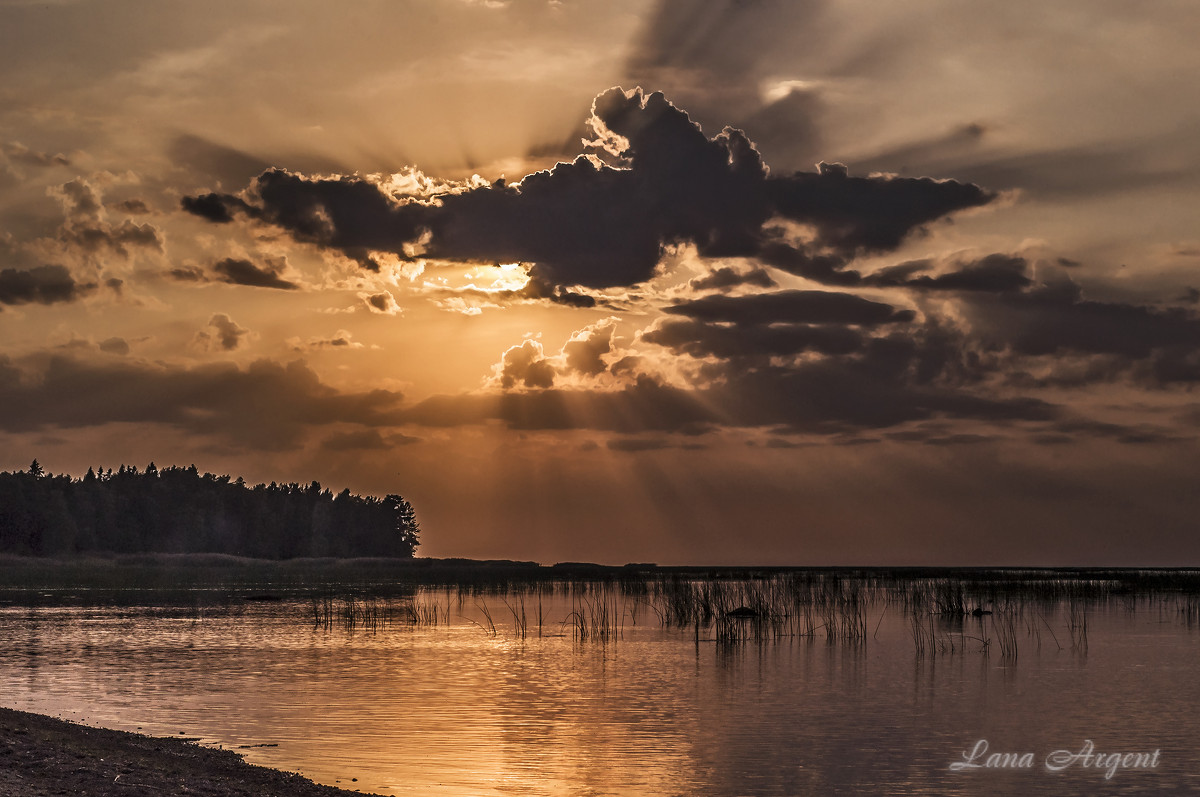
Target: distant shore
x,y
41,755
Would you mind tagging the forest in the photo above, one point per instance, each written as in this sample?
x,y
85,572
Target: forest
x,y
180,510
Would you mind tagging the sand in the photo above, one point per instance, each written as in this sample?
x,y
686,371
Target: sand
x,y
45,756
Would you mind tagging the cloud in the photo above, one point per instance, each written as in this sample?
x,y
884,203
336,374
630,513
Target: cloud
x,y
642,406
365,440
17,152
869,392
583,356
635,444
217,208
239,271
1056,318
134,207
41,285
341,339
383,302
266,405
995,273
872,214
120,239
86,227
188,274
600,221
723,278
700,339
221,334
525,365
796,307
114,345
824,398
584,352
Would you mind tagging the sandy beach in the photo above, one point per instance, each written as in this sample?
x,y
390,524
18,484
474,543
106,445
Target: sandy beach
x,y
41,755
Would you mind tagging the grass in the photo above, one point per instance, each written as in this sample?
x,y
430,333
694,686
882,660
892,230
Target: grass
x,y
947,611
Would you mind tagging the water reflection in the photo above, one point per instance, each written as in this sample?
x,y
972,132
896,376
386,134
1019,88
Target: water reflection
x,y
598,693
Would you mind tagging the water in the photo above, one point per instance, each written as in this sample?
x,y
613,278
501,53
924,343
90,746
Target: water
x,y
453,709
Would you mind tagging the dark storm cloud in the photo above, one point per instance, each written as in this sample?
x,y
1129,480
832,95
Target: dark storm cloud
x,y
238,271
1056,318
723,278
699,339
845,395
267,405
854,214
217,208
824,267
597,225
1037,335
41,285
794,307
995,273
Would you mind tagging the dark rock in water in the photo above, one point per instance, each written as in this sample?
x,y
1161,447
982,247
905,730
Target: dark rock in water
x,y
978,612
743,612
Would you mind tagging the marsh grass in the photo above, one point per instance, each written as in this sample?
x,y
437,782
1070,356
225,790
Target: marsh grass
x,y
348,611
1004,625
595,614
520,621
955,612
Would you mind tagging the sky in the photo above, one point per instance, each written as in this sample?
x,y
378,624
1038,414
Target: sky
x,y
826,282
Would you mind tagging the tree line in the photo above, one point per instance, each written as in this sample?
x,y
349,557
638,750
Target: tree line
x,y
179,510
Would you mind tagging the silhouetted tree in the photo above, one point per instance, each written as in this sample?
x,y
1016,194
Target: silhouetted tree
x,y
178,510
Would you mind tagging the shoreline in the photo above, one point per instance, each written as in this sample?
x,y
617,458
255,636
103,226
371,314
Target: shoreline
x,y
41,755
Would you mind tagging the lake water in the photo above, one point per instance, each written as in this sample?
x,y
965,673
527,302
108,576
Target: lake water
x,y
455,709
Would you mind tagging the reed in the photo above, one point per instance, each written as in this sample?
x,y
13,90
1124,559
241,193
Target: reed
x,y
1077,624
735,606
1004,626
490,628
517,610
